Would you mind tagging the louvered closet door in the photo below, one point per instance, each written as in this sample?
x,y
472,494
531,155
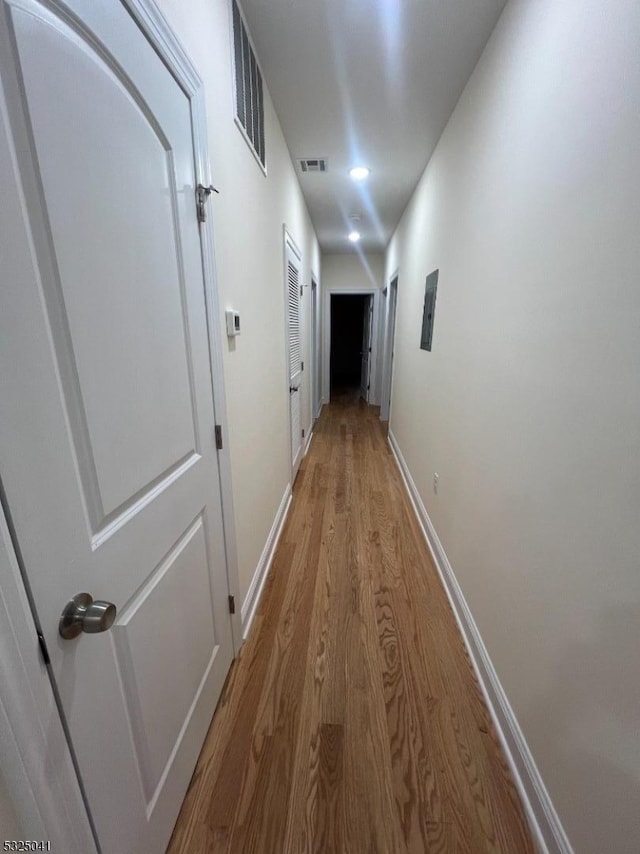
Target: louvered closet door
x,y
295,353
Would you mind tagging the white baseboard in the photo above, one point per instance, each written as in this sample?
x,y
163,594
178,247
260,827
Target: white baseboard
x,y
543,819
308,442
250,604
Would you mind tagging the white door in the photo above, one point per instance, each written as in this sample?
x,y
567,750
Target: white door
x,y
293,283
389,350
107,447
315,347
365,353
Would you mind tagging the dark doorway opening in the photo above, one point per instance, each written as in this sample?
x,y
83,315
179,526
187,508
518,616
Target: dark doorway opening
x,y
350,338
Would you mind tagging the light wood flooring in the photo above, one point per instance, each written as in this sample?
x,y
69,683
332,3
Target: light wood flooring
x,y
351,722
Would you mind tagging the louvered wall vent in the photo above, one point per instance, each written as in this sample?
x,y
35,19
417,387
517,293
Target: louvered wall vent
x,y
314,164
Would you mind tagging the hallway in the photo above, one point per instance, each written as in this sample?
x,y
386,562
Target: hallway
x,y
351,721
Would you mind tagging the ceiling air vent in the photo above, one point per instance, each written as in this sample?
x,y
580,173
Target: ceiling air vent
x,y
314,164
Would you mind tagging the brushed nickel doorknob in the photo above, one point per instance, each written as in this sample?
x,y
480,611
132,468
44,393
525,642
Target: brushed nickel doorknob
x,y
82,614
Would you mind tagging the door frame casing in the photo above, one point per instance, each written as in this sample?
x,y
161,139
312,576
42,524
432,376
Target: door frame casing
x,y
289,243
316,348
368,327
376,293
157,30
386,385
31,728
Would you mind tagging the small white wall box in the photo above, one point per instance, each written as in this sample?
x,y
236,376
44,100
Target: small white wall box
x,y
233,323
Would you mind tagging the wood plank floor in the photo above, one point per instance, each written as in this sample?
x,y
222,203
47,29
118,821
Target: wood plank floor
x,y
351,722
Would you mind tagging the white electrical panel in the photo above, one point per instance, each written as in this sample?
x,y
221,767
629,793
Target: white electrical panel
x,y
233,323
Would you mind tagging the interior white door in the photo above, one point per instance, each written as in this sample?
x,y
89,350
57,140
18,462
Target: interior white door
x,y
392,295
365,353
293,282
107,446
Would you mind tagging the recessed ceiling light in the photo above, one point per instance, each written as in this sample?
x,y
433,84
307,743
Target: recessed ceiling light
x,y
359,173
354,236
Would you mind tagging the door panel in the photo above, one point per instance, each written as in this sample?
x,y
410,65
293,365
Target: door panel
x,y
107,444
315,347
389,350
130,350
163,671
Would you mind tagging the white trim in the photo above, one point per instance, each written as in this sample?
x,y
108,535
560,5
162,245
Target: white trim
x,y
250,604
288,239
326,339
307,444
288,243
157,30
34,755
217,367
389,334
155,27
547,829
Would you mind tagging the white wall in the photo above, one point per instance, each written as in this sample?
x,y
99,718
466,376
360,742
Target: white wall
x,y
529,404
355,271
248,217
352,271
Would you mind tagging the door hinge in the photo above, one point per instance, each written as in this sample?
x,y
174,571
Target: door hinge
x,y
368,386
232,604
300,290
218,437
302,366
43,648
202,194
303,432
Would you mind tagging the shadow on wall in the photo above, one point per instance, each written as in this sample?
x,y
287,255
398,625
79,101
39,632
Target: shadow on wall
x,y
595,738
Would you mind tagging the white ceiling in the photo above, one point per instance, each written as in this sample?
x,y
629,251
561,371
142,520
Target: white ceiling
x,y
368,82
